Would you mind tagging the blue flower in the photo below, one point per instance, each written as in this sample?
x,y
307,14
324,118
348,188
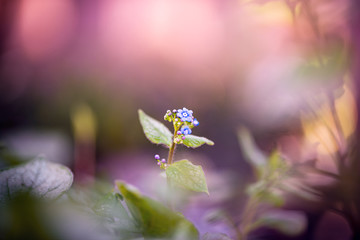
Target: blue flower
x,y
195,122
185,130
184,115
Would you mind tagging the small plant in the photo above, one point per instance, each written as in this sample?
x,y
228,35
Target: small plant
x,y
181,173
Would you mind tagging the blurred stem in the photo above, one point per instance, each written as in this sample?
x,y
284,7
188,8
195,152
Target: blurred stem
x,y
326,173
292,8
248,217
339,139
314,24
341,153
336,156
340,136
232,224
312,19
247,223
335,116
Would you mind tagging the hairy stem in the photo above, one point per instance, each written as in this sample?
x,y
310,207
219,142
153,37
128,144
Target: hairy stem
x,y
171,152
170,161
173,145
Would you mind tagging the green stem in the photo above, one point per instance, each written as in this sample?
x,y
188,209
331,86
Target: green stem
x,y
170,161
173,145
171,152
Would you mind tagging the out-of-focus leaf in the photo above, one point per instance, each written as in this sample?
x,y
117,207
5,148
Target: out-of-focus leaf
x,y
39,177
196,141
157,220
154,130
116,217
288,222
215,236
256,188
299,190
277,169
110,206
8,158
252,153
265,193
25,217
275,161
325,66
187,175
273,197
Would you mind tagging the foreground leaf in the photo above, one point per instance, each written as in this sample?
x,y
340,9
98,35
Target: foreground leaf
x,y
156,220
196,141
187,175
110,206
39,177
154,130
116,217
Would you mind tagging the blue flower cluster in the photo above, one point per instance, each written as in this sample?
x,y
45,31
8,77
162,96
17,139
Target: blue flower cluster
x,y
185,130
183,121
185,115
180,117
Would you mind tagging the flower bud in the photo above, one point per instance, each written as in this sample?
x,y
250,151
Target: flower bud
x,y
195,122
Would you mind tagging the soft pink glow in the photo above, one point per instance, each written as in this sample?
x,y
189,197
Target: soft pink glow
x,y
182,32
44,27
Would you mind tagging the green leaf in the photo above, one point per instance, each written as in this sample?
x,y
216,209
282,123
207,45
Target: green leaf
x,y
115,216
288,222
157,220
187,175
251,152
110,205
196,141
38,177
154,130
